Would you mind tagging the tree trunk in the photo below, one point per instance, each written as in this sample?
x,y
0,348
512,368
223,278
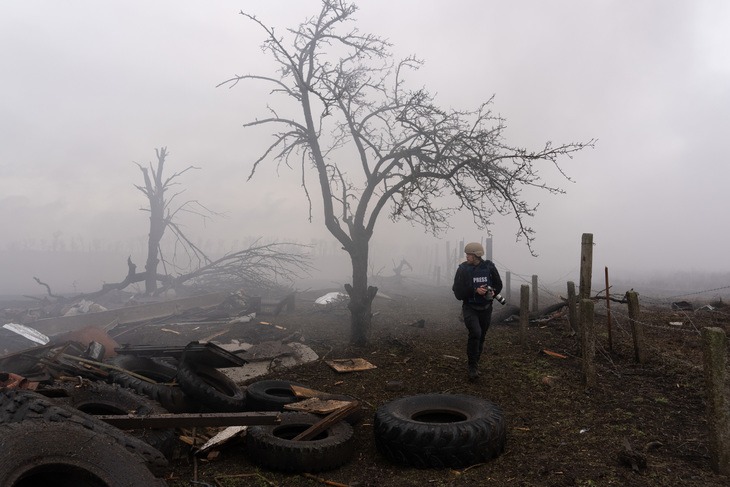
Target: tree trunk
x,y
361,295
157,229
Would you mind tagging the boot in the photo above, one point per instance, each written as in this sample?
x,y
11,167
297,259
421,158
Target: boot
x,y
473,372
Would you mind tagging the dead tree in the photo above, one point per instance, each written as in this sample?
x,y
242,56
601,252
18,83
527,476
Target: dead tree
x,y
162,213
260,265
377,147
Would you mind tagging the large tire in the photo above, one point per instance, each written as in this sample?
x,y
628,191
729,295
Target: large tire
x,y
66,454
210,387
439,430
270,395
98,398
170,397
272,446
18,406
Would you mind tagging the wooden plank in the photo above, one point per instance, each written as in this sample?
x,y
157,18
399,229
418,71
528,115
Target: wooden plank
x,y
350,364
131,314
316,405
326,422
190,420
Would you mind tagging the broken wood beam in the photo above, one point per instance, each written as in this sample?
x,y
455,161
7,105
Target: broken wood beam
x,y
185,420
326,422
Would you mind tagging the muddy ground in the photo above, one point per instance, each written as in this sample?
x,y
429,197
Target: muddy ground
x,y
559,433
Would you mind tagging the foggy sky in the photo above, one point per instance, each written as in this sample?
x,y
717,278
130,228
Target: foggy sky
x,y
88,88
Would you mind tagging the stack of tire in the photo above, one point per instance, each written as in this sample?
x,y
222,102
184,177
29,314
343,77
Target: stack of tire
x,y
180,386
200,387
45,443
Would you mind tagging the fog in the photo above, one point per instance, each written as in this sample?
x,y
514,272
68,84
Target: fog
x,y
89,88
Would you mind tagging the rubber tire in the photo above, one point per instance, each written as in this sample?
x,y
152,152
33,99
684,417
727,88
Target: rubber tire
x,y
112,399
65,454
26,406
210,387
156,370
271,446
270,395
439,430
170,397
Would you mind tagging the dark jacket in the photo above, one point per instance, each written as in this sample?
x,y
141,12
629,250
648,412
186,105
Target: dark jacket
x,y
469,277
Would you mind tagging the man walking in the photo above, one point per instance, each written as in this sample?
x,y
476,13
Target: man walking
x,y
475,284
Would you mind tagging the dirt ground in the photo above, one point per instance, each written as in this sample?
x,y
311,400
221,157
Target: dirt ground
x,y
559,433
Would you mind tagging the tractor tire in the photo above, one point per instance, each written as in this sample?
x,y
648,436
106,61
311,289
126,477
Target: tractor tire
x,y
66,454
271,446
439,430
20,406
99,398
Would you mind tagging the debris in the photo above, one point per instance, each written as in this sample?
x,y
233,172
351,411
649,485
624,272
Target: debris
x,y
326,422
323,481
350,364
27,332
83,307
682,305
316,405
129,314
8,380
87,335
190,420
225,436
553,354
300,391
331,298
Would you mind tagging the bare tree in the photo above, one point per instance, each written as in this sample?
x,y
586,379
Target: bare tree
x,y
377,147
260,265
163,210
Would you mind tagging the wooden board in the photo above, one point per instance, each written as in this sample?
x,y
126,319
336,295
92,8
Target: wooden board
x,y
350,364
317,406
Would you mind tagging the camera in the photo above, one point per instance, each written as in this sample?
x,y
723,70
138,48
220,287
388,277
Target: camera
x,y
498,297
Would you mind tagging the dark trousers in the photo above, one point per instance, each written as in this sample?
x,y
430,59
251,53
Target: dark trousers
x,y
477,323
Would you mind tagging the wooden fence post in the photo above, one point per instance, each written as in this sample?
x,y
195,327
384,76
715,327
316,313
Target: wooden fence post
x,y
718,413
488,249
586,272
608,314
586,266
588,344
534,293
524,313
572,307
636,328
